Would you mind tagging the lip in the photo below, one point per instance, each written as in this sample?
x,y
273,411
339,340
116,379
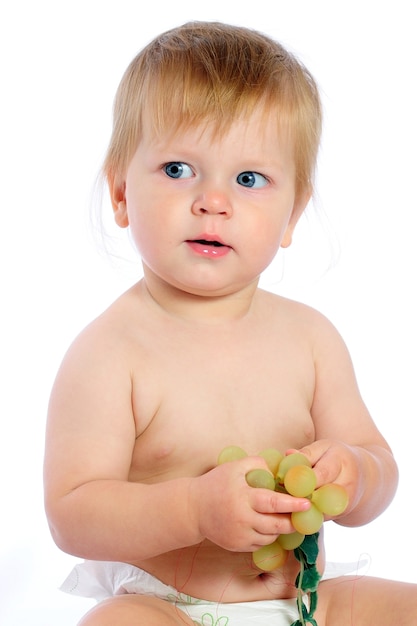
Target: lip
x,y
209,246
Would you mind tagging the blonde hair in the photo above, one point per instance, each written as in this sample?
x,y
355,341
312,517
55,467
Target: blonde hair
x,y
212,72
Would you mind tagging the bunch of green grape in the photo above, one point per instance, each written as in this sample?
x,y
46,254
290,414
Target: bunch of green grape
x,y
291,474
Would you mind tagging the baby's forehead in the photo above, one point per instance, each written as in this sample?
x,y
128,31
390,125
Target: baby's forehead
x,y
261,120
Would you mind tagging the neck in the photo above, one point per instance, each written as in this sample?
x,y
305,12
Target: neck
x,y
199,307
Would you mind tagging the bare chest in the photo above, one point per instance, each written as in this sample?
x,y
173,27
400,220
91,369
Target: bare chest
x,y
192,397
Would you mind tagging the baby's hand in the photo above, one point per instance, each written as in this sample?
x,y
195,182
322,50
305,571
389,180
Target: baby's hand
x,y
335,462
236,516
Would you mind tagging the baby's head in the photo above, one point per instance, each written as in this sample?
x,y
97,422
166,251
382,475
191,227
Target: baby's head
x,y
214,73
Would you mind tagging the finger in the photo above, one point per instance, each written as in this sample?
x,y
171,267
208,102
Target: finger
x,y
268,527
263,539
325,462
266,501
328,468
316,450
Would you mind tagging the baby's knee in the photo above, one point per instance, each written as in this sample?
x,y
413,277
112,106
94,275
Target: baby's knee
x,y
135,610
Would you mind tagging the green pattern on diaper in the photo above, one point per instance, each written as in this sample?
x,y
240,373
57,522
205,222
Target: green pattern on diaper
x,y
209,620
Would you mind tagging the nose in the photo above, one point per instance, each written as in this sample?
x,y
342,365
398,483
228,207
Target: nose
x,y
213,202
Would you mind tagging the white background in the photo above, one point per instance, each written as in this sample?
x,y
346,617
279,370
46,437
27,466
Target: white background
x,y
60,66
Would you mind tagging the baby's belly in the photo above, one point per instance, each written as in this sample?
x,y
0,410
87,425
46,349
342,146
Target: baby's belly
x,y
209,572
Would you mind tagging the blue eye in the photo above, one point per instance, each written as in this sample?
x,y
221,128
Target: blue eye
x,y
177,169
252,179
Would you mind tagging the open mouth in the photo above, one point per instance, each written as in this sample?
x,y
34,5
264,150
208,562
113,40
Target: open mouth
x,y
211,248
205,242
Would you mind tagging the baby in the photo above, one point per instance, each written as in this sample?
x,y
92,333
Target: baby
x,y
211,164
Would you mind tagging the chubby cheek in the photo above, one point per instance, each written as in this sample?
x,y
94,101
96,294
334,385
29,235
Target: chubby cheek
x,y
145,236
152,236
266,241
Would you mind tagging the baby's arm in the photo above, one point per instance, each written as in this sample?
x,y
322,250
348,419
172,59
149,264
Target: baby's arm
x,y
92,508
96,512
349,449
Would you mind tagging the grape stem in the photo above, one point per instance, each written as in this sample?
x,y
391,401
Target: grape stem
x,y
307,579
300,603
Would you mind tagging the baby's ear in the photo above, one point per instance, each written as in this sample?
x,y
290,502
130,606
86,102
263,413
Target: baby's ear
x,y
300,204
117,194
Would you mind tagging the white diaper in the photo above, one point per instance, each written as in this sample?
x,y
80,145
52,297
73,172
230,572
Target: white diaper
x,y
104,579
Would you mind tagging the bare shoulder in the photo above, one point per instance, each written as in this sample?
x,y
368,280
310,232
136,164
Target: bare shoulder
x,y
302,324
111,331
97,366
284,310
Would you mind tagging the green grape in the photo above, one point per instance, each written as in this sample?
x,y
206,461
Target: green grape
x,y
331,499
300,481
296,458
270,557
291,541
273,458
260,478
307,522
231,453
